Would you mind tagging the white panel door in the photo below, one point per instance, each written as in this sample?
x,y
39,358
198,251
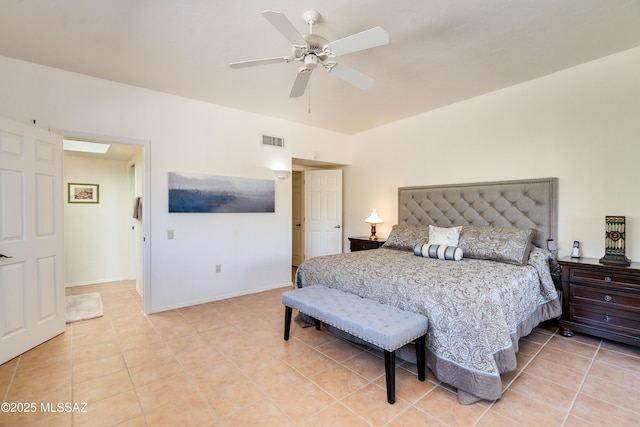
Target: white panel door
x,y
323,212
32,297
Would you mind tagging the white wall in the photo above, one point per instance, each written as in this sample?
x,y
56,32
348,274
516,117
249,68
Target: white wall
x,y
581,125
254,250
96,237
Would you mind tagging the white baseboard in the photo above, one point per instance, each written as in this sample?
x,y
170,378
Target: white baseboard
x,y
95,282
221,297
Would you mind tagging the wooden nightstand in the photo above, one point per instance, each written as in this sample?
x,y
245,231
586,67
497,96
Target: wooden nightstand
x,y
601,300
364,244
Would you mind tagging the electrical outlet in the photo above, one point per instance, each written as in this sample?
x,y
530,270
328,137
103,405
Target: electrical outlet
x,y
218,269
169,234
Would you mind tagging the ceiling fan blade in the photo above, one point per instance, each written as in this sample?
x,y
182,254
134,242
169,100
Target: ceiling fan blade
x,y
300,84
373,37
285,26
254,62
352,76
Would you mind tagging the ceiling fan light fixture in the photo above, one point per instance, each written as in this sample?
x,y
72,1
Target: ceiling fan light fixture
x,y
310,61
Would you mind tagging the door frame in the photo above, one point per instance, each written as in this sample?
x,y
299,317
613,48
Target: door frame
x,y
146,198
304,165
299,175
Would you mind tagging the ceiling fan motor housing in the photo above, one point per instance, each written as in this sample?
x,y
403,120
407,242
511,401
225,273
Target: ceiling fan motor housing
x,y
315,45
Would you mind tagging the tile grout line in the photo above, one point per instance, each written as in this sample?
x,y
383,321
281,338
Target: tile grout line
x,y
337,362
584,379
488,409
13,376
121,354
372,382
133,386
184,371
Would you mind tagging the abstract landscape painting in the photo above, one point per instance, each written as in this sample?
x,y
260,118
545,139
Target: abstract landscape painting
x,y
209,193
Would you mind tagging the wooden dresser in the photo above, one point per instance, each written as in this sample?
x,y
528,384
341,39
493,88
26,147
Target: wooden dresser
x,y
364,244
601,300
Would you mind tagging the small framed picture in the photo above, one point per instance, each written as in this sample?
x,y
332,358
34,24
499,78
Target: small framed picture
x,y
83,193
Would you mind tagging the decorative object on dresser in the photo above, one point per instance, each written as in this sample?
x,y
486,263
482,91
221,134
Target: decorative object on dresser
x,y
614,252
601,300
364,244
373,219
575,252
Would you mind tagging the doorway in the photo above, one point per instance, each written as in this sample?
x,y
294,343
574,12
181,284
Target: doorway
x,y
297,218
123,178
300,204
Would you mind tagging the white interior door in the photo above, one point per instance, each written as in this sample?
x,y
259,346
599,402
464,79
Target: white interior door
x,y
297,219
32,297
323,212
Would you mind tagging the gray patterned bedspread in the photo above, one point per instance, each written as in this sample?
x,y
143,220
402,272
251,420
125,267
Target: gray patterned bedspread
x,y
477,309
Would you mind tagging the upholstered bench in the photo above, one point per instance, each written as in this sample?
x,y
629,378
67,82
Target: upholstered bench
x,y
384,326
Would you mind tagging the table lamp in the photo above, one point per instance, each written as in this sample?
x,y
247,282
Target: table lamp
x,y
614,236
373,220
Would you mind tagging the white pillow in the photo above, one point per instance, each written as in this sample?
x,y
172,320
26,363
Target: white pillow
x,y
444,236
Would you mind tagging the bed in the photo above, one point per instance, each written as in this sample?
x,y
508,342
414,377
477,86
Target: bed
x,y
478,305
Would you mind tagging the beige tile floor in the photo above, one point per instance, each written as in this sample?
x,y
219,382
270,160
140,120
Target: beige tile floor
x,y
225,364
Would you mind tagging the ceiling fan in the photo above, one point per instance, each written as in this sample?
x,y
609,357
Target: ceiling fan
x,y
313,50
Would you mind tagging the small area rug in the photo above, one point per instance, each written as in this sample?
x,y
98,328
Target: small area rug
x,y
84,307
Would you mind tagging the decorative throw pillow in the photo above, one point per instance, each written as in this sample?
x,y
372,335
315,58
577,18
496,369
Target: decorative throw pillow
x,y
510,245
447,236
405,237
449,253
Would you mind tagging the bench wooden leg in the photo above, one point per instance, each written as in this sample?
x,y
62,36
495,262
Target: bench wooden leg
x,y
420,356
287,322
390,371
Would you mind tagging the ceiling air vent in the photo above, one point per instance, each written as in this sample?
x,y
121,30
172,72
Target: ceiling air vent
x,y
272,141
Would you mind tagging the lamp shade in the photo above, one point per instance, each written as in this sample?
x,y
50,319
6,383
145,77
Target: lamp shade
x,y
374,218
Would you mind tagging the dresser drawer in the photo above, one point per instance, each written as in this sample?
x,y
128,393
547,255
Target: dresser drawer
x,y
611,318
603,277
604,296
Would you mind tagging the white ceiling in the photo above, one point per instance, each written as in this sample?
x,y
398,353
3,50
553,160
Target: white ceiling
x,y
440,51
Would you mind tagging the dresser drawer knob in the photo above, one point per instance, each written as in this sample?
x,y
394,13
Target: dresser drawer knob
x,y
607,279
607,319
607,298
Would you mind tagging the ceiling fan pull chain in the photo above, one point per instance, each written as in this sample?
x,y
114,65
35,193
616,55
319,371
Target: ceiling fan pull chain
x,y
309,93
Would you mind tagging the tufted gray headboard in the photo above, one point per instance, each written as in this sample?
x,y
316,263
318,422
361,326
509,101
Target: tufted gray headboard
x,y
530,203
